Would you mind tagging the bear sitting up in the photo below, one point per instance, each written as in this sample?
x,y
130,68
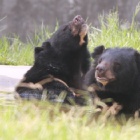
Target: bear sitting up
x,y
60,63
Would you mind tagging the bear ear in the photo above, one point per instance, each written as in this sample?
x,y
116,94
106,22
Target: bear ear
x,y
46,45
38,50
137,58
98,51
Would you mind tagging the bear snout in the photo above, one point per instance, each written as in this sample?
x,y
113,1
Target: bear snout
x,y
78,20
100,70
103,74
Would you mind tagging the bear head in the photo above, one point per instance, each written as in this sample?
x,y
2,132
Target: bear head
x,y
70,36
116,69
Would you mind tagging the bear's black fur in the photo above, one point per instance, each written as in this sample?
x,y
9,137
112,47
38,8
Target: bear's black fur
x,y
116,74
63,57
66,43
45,66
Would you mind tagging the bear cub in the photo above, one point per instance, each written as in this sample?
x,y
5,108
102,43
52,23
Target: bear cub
x,y
115,74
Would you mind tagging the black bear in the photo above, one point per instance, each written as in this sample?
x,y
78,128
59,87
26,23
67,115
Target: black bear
x,y
60,63
70,42
115,74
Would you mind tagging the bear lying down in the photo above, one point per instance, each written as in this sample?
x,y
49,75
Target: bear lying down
x,y
60,63
115,74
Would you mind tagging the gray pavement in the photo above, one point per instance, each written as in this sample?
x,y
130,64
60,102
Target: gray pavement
x,y
10,76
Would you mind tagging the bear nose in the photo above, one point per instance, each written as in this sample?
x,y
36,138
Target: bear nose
x,y
100,69
78,17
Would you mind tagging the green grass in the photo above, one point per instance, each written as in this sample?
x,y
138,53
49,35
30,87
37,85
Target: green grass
x,y
112,33
14,52
115,33
42,120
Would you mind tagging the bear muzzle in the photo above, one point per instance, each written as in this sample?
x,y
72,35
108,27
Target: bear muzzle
x,y
104,75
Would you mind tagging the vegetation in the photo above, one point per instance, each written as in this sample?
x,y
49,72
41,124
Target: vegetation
x,y
42,120
113,32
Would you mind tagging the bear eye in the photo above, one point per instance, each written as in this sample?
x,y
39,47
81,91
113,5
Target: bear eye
x,y
117,66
